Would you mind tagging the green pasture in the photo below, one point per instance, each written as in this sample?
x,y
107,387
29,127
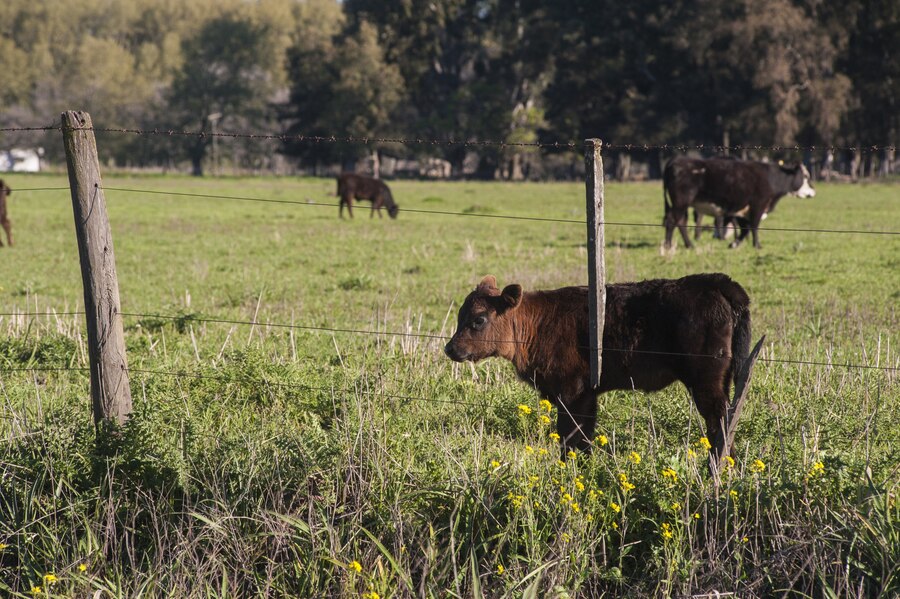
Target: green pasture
x,y
337,459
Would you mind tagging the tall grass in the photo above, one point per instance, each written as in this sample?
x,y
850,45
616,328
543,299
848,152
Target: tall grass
x,y
265,461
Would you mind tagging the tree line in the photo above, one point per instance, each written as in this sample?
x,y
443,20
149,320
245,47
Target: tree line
x,y
711,72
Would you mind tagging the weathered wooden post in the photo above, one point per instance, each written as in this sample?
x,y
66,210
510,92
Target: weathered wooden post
x,y
110,393
593,166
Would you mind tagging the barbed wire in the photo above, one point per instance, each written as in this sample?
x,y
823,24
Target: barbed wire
x,y
189,318
469,214
565,145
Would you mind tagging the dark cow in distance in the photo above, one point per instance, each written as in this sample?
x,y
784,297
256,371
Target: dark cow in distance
x,y
725,187
4,218
351,186
695,330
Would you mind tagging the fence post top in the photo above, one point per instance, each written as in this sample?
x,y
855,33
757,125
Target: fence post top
x,y
593,141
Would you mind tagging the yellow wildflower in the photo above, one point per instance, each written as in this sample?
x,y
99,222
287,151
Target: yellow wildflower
x,y
635,457
3,546
705,444
554,437
744,540
615,525
545,405
566,498
524,409
730,461
666,531
733,493
566,537
818,468
545,419
371,595
696,516
575,506
627,487
579,485
495,464
500,569
669,473
614,507
529,449
758,465
82,567
676,506
691,453
589,517
571,455
542,451
50,578
533,479
36,590
355,566
602,440
561,464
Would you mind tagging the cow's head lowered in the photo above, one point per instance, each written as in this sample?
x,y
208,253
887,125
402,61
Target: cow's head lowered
x,y
800,183
484,326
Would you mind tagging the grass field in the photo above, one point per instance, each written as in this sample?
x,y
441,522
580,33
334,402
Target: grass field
x,y
274,461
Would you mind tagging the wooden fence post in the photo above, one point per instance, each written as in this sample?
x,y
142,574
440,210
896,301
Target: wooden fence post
x,y
110,393
593,166
721,445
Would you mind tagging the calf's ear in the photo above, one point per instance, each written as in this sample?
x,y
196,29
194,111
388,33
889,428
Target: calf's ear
x,y
512,295
488,283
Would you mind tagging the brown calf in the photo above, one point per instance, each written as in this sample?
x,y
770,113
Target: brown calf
x,y
351,186
695,330
4,219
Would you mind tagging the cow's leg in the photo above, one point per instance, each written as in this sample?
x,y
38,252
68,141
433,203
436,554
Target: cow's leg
x,y
349,203
682,227
676,217
7,226
576,421
744,225
697,227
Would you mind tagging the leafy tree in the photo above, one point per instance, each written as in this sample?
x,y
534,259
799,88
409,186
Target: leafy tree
x,y
227,73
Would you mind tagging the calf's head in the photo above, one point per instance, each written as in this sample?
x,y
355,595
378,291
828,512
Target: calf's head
x,y
393,210
484,325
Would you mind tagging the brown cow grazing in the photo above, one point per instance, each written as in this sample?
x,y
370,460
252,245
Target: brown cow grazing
x,y
351,186
4,219
695,330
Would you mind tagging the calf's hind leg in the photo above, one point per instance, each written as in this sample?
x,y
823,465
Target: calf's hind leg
x,y
8,227
575,422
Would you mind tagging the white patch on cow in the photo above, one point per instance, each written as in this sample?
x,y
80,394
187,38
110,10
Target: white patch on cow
x,y
708,208
742,212
806,190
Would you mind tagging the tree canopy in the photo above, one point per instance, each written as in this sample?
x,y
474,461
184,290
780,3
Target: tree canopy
x,y
762,72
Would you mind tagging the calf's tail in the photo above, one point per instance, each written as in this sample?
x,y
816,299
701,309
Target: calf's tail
x,y
740,338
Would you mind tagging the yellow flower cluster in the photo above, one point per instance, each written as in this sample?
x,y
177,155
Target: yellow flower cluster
x,y
733,494
729,462
666,531
50,578
495,464
571,455
676,506
371,595
601,440
566,537
544,419
546,405
758,465
36,590
817,469
516,500
635,457
355,566
554,437
669,473
705,444
500,569
691,453
624,484
614,507
524,409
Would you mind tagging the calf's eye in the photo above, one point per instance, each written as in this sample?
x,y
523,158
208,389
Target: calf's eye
x,y
479,322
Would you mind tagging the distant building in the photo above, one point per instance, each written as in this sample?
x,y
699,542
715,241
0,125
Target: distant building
x,y
19,160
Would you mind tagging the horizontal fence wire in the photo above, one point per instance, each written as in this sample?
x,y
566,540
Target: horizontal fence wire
x,y
468,214
187,319
565,145
837,436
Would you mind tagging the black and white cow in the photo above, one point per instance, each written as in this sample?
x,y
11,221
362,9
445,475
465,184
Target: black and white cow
x,y
725,187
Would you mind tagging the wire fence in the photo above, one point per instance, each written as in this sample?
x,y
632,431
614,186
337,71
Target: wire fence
x,y
191,318
565,145
314,204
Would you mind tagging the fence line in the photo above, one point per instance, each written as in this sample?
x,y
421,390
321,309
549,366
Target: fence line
x,y
568,145
838,436
469,214
255,323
